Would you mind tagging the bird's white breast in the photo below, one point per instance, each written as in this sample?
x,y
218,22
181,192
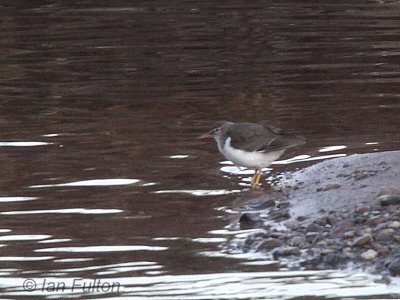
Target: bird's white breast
x,y
248,159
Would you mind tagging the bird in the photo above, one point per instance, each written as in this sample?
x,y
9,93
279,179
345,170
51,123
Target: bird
x,y
251,145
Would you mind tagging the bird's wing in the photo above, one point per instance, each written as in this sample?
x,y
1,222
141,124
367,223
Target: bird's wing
x,y
261,138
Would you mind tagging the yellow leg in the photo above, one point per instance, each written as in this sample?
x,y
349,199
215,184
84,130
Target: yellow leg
x,y
254,178
255,182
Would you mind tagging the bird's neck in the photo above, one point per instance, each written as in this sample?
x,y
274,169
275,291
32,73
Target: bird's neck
x,y
222,142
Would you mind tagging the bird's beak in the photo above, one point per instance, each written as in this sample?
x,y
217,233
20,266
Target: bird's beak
x,y
205,136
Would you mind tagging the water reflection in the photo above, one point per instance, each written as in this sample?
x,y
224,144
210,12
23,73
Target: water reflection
x,y
198,192
16,199
92,182
23,144
121,189
84,211
245,285
120,248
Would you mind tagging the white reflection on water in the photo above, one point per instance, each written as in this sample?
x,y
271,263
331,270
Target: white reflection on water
x,y
209,240
302,158
198,192
25,258
23,144
84,211
27,237
55,241
16,199
121,248
179,156
332,148
239,285
73,260
92,182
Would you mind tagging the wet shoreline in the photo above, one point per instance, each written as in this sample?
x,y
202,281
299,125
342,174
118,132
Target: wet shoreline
x,y
339,213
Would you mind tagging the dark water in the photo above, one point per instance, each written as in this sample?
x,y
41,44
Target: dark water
x,y
101,174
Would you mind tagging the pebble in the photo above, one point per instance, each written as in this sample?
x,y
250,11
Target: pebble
x,y
292,224
313,228
297,241
269,244
376,220
334,259
394,224
362,241
394,267
283,205
331,187
248,220
385,235
349,234
343,226
369,254
312,237
386,200
265,204
390,191
359,176
286,251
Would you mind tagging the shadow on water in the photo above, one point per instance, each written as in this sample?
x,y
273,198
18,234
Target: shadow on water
x,y
101,175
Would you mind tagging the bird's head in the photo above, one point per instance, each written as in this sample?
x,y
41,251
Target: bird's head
x,y
217,130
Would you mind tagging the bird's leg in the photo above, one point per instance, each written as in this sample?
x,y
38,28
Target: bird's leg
x,y
256,179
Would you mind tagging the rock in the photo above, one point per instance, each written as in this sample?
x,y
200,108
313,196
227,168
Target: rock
x,y
269,244
286,251
362,210
361,219
376,220
389,191
385,235
369,254
386,200
292,224
394,224
323,221
348,234
362,241
394,267
312,237
301,218
265,204
329,187
313,228
283,205
333,259
343,226
297,241
311,263
359,176
279,214
248,220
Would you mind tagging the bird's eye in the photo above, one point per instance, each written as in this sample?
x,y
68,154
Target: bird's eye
x,y
215,130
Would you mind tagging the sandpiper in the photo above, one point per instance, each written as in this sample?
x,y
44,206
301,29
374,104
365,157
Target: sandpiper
x,y
251,145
